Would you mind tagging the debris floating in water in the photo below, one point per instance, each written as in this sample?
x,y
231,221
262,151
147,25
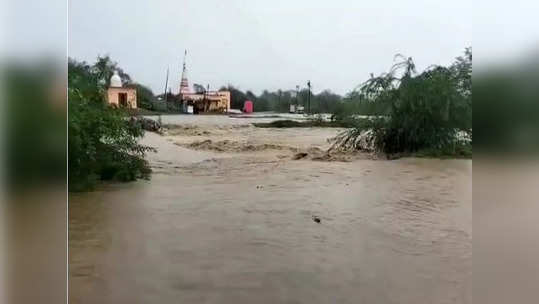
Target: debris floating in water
x,y
316,219
299,155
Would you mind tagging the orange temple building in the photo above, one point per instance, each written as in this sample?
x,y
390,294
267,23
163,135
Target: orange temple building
x,y
202,102
121,95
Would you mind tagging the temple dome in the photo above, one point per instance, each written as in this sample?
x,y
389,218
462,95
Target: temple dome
x,y
115,80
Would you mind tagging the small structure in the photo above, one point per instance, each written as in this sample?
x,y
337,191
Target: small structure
x,y
207,102
248,106
121,95
296,109
292,108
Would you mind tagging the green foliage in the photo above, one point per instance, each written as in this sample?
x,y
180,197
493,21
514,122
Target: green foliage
x,y
431,110
103,143
357,103
237,97
280,101
104,68
199,89
145,97
167,103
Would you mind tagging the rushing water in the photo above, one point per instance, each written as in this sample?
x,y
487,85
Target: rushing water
x,y
239,229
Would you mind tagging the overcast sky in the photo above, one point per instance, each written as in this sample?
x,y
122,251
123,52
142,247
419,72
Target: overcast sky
x,y
259,45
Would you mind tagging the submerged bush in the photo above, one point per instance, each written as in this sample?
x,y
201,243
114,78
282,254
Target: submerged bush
x,y
425,112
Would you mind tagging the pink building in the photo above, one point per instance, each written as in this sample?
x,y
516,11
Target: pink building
x,y
248,106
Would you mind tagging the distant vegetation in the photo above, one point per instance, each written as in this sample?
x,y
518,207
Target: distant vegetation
x,y
145,97
280,100
103,142
323,102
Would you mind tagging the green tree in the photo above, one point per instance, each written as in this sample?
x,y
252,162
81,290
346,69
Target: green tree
x,y
237,97
102,142
145,97
429,111
199,89
104,68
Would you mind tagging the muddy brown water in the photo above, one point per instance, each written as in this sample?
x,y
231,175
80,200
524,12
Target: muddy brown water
x,y
233,227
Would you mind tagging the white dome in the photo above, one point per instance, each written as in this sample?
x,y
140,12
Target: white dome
x,y
115,80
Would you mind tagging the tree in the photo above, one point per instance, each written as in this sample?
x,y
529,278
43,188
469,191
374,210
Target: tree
x,y
237,97
325,102
462,70
104,68
426,111
199,89
145,97
102,144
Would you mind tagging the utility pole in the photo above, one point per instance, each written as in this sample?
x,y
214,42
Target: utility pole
x,y
309,86
166,84
297,95
206,94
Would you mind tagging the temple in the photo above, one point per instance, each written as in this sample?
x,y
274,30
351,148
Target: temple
x,y
201,101
121,95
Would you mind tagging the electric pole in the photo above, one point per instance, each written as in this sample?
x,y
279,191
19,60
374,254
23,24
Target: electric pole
x,y
297,95
309,100
166,84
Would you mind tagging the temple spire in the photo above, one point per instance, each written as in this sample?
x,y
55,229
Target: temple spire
x,y
184,84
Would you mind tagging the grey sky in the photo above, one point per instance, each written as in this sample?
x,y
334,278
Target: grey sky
x,y
259,45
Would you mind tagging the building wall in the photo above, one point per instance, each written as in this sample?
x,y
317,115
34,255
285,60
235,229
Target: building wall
x,y
113,98
226,96
209,102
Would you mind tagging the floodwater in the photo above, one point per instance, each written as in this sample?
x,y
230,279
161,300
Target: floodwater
x,y
231,221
